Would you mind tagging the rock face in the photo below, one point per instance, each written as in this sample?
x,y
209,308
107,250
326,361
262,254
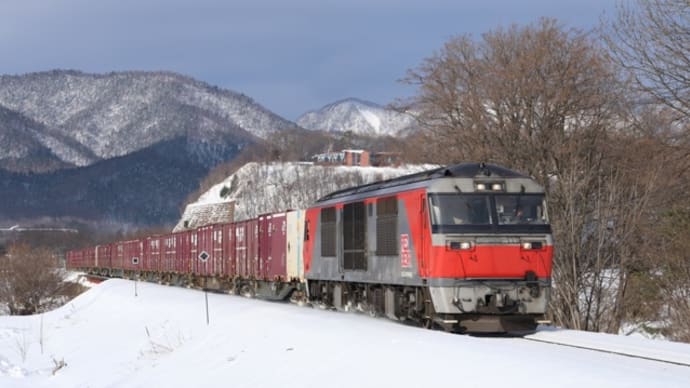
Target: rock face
x,y
258,188
358,116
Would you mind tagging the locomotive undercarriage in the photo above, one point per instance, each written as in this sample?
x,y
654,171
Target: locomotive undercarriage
x,y
415,305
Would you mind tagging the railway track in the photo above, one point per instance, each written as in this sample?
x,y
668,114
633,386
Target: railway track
x,y
631,354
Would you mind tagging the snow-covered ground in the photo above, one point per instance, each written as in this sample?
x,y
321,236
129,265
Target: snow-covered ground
x,y
108,337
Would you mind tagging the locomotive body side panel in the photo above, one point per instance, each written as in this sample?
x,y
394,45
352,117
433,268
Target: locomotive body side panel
x,y
398,264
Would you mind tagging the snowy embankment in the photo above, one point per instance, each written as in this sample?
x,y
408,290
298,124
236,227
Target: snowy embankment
x,y
108,337
259,188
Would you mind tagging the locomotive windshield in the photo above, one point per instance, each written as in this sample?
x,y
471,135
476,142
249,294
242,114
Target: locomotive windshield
x,y
456,209
458,212
520,209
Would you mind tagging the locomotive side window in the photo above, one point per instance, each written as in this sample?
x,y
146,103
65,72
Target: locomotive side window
x,y
520,209
328,232
460,209
387,226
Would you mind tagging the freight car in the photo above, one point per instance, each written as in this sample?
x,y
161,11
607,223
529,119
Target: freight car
x,y
466,248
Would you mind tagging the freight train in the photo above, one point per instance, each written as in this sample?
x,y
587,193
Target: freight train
x,y
464,248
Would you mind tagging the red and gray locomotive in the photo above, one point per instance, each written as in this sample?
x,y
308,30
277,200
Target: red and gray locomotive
x,y
467,248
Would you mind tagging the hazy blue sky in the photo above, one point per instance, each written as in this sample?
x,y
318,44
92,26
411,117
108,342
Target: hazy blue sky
x,y
290,56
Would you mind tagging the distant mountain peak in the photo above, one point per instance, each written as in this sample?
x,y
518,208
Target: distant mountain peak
x,y
359,116
352,101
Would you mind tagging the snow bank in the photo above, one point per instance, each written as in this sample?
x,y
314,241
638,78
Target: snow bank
x,y
108,337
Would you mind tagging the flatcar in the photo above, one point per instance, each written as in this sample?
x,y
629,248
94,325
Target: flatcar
x,y
465,248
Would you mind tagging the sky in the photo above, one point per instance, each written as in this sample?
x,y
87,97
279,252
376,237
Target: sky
x,y
289,56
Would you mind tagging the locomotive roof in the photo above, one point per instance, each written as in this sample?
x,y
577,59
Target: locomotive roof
x,y
461,170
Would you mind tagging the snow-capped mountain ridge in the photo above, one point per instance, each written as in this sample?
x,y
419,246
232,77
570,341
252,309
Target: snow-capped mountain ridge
x,y
100,116
360,117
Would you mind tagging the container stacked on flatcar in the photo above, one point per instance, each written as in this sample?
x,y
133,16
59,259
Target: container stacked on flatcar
x,y
248,257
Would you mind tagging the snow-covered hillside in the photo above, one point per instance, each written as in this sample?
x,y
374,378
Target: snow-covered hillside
x,y
361,117
108,337
259,188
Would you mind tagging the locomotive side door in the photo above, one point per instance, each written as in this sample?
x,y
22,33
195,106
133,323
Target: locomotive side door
x,y
354,237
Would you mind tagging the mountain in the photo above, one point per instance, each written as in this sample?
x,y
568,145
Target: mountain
x,y
85,118
144,188
360,117
22,149
123,147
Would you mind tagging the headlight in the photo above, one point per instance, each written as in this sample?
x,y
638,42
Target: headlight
x,y
531,245
460,245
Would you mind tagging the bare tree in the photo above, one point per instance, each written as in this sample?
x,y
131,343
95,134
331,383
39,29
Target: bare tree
x,y
548,101
651,39
29,277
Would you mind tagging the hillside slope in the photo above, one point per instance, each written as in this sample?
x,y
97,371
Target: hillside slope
x,y
123,147
259,188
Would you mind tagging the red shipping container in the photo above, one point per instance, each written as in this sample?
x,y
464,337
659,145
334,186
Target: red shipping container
x,y
252,251
241,254
103,258
218,254
131,254
202,262
117,254
230,263
151,254
275,265
271,246
182,252
263,245
168,245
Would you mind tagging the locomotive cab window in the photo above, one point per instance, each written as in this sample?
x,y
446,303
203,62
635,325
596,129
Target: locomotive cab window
x,y
521,209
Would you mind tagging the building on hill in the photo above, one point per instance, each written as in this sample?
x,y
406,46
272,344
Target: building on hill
x,y
362,158
330,158
385,159
356,158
